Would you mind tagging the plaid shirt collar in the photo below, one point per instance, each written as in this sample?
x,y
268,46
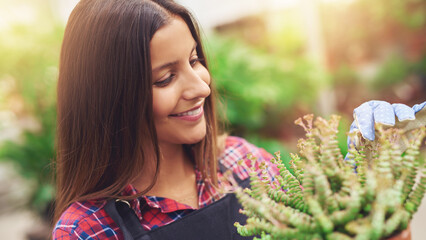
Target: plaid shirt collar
x,y
206,195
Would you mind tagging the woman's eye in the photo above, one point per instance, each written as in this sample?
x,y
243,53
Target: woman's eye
x,y
194,61
165,82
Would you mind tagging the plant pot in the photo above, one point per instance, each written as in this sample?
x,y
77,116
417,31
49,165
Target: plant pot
x,y
404,235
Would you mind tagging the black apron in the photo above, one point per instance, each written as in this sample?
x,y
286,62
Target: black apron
x,y
213,222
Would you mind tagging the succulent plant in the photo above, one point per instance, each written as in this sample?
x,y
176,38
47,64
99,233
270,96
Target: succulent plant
x,y
370,194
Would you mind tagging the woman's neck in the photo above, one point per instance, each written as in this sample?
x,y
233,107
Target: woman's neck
x,y
176,173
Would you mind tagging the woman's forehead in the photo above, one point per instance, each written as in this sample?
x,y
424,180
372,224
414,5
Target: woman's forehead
x,y
171,42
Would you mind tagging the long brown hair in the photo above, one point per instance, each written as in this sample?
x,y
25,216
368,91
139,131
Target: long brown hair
x,y
106,129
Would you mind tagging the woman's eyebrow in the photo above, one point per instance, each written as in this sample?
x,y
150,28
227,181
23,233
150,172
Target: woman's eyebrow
x,y
169,64
165,66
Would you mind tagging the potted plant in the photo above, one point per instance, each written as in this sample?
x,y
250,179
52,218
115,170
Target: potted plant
x,y
372,194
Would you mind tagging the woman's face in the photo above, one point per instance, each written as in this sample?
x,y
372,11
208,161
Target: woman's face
x,y
180,85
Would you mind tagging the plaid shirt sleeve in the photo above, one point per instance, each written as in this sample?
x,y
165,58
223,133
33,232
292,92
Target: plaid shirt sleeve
x,y
62,234
86,220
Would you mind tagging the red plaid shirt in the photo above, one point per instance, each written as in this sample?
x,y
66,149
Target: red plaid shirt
x,y
88,219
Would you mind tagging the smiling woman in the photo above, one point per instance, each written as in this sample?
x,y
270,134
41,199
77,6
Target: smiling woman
x,y
136,122
180,87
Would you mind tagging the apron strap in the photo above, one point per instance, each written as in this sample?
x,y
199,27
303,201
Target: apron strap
x,y
126,219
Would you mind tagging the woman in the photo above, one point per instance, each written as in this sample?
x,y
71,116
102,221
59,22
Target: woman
x,y
136,121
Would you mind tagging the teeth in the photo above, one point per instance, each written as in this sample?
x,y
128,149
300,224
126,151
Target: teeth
x,y
190,113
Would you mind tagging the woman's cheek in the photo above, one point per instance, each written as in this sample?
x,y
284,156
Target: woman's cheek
x,y
159,103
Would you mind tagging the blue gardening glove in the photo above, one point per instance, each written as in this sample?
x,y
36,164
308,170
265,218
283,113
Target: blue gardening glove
x,y
382,112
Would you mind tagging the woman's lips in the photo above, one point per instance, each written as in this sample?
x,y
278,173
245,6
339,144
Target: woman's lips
x,y
191,115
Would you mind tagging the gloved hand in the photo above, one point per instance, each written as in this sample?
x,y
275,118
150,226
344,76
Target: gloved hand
x,y
371,112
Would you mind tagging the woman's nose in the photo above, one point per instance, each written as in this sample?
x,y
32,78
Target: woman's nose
x,y
196,84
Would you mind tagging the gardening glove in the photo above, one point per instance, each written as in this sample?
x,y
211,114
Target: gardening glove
x,y
369,113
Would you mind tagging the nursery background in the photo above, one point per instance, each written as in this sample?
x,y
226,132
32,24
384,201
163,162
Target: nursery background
x,y
272,61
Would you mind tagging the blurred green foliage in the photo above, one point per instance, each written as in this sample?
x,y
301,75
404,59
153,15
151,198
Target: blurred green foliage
x,y
29,58
396,69
257,87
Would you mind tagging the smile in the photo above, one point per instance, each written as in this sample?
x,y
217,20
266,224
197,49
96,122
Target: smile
x,y
191,115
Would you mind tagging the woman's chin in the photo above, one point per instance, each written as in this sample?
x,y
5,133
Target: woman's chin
x,y
195,139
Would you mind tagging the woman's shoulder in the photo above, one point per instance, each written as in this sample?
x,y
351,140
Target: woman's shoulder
x,y
237,149
85,220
